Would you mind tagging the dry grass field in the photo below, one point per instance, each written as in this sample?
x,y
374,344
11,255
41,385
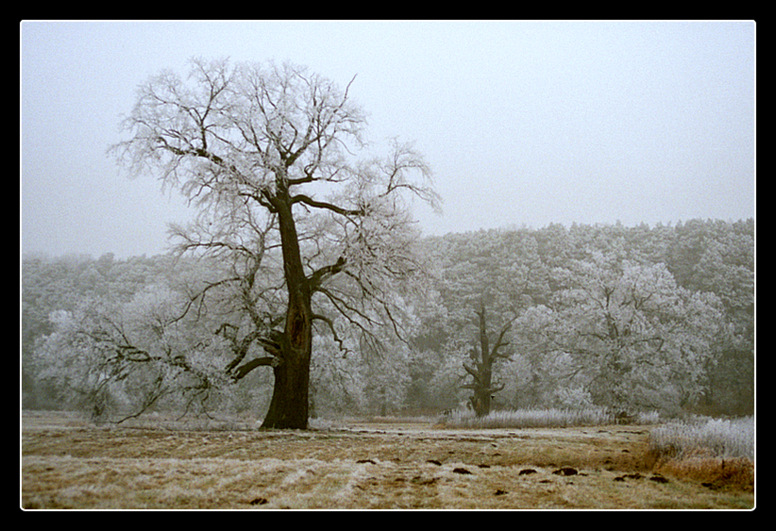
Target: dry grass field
x,y
68,463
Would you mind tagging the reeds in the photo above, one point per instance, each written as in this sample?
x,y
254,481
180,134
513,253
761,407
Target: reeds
x,y
723,438
529,418
716,452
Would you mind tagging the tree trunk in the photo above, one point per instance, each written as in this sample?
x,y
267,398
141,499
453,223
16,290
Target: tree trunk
x,y
482,393
481,366
289,407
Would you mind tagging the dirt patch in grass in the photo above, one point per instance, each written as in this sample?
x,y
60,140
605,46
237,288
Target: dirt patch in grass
x,y
157,464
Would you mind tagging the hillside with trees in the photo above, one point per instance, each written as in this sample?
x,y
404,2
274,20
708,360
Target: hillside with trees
x,y
629,319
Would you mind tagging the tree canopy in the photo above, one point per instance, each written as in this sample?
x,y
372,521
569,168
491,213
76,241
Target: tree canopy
x,y
293,209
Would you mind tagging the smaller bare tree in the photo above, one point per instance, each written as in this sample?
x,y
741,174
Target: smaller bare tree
x,y
480,368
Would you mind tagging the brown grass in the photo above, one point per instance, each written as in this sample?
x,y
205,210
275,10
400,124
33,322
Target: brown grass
x,y
159,464
711,472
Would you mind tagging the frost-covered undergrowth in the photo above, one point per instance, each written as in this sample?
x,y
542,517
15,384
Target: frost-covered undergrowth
x,y
529,418
726,438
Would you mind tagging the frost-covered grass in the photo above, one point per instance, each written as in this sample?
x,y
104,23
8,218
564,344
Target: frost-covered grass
x,y
717,452
529,418
723,438
68,462
326,423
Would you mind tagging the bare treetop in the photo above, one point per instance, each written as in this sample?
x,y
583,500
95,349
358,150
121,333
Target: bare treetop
x,y
274,157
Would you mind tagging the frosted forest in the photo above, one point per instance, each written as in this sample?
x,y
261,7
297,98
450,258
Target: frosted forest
x,y
627,319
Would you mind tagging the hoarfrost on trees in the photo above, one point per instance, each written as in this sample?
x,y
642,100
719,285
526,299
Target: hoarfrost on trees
x,y
267,154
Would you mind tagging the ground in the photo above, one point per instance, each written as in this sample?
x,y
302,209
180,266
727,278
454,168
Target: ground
x,y
69,463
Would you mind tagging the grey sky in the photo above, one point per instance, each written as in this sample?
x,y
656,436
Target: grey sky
x,y
523,123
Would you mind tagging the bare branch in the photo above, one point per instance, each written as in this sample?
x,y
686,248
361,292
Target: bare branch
x,y
320,275
243,370
301,198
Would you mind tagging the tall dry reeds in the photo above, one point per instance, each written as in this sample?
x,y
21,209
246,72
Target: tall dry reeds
x,y
529,418
723,438
717,452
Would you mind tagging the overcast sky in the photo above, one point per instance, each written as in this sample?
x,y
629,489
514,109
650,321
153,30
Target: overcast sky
x,y
523,123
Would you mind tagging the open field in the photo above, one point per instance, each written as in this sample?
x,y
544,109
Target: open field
x,y
68,463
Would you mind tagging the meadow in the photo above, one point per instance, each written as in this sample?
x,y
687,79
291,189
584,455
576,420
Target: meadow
x,y
160,463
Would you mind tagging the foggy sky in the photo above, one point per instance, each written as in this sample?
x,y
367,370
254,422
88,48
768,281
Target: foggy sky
x,y
522,123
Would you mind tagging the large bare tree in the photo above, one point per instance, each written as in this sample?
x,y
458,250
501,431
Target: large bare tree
x,y
275,160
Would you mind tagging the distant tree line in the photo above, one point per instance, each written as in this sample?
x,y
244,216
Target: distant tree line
x,y
625,318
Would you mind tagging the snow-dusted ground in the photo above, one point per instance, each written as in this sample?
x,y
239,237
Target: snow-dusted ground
x,y
154,464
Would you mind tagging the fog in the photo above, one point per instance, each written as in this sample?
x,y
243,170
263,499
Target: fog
x,y
522,122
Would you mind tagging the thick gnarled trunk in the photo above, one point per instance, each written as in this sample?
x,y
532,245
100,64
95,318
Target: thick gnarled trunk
x,y
289,406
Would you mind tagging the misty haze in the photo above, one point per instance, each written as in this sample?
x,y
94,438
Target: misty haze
x,y
408,265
